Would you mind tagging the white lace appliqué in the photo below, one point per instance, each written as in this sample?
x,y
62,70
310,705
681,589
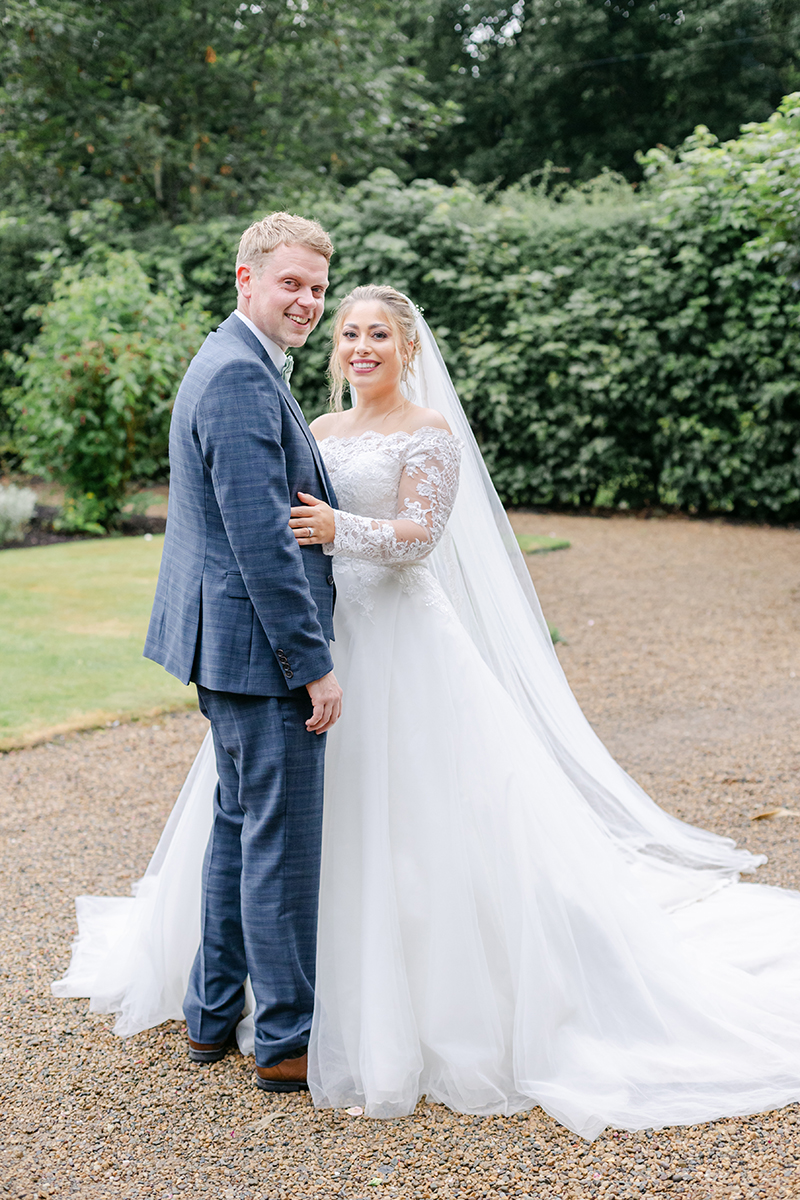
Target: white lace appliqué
x,y
415,476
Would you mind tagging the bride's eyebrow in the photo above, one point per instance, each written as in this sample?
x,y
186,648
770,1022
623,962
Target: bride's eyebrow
x,y
374,325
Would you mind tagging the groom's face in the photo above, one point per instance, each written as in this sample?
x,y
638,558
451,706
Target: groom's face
x,y
285,298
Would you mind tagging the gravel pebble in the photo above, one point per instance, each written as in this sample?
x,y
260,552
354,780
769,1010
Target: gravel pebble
x,y
686,672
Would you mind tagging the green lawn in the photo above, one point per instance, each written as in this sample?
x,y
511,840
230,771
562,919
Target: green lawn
x,y
530,543
73,618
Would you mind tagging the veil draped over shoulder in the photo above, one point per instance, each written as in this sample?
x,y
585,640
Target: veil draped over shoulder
x,y
482,570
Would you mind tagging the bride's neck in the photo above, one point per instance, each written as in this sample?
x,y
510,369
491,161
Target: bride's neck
x,y
380,410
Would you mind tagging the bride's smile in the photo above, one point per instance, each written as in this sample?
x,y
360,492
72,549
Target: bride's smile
x,y
362,366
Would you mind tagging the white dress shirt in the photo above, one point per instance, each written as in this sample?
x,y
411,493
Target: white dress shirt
x,y
273,350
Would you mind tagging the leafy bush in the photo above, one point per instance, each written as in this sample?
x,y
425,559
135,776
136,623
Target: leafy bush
x,y
98,382
609,348
751,182
16,509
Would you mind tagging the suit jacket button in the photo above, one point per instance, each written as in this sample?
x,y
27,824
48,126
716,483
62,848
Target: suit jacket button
x,y
290,674
330,579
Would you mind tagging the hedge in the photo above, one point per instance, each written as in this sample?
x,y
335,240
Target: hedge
x,y
609,348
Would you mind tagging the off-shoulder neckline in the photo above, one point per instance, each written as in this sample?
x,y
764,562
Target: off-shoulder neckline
x,y
385,437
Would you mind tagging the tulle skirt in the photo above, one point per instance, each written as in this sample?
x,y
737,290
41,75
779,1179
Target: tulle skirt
x,y
483,940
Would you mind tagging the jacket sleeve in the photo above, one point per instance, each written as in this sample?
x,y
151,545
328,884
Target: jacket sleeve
x,y
426,495
239,427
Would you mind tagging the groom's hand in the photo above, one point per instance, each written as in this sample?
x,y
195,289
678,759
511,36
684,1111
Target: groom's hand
x,y
326,696
313,524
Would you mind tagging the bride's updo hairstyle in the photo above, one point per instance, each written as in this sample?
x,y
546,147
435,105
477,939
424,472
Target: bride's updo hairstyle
x,y
401,318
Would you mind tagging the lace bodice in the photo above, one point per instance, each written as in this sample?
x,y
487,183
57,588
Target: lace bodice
x,y
396,491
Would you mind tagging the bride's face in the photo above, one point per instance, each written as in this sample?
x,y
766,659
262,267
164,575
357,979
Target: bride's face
x,y
370,355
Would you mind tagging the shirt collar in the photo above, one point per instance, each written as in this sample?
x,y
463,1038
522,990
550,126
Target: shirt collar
x,y
273,350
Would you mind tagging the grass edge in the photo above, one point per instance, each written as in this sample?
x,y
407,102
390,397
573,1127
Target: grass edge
x,y
98,719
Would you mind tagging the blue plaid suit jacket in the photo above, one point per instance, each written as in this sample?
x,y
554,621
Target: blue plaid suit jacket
x,y
239,606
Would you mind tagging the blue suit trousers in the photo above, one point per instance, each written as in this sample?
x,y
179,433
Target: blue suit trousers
x,y
260,874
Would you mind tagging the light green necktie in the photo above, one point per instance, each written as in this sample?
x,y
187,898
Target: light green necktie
x,y
286,369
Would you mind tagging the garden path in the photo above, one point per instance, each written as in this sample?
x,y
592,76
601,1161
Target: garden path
x,y
683,645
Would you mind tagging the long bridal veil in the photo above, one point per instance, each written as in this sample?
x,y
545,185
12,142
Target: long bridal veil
x,y
482,570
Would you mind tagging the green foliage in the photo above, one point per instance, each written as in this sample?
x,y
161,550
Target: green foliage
x,y
609,347
607,350
179,112
96,388
587,83
23,283
752,182
176,110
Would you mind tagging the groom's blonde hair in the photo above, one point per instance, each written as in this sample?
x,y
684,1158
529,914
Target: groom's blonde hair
x,y
281,229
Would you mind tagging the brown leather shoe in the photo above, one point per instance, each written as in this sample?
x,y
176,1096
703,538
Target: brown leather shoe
x,y
210,1052
287,1076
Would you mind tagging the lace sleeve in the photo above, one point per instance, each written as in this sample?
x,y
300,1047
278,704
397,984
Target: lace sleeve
x,y
426,495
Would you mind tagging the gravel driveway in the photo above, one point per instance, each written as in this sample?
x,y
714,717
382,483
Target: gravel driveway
x,y
684,648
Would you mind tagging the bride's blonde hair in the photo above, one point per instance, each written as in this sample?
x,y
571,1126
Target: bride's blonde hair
x,y
400,316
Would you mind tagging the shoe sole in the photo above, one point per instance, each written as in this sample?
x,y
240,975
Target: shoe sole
x,y
207,1056
279,1085
212,1056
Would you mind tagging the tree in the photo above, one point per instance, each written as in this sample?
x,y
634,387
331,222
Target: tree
x,y
182,108
588,83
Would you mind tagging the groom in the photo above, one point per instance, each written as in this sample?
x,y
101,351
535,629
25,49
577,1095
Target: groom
x,y
245,613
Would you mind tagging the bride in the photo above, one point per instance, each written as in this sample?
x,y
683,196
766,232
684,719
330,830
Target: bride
x,y
506,919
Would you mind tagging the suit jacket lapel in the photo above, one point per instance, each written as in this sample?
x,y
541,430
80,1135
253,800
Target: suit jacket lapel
x,y
233,325
297,413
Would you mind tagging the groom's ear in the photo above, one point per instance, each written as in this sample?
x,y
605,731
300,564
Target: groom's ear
x,y
244,276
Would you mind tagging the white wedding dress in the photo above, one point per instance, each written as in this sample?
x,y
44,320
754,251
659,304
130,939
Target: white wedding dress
x,y
505,919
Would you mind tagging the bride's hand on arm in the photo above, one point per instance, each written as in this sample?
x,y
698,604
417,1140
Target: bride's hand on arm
x,y
313,517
